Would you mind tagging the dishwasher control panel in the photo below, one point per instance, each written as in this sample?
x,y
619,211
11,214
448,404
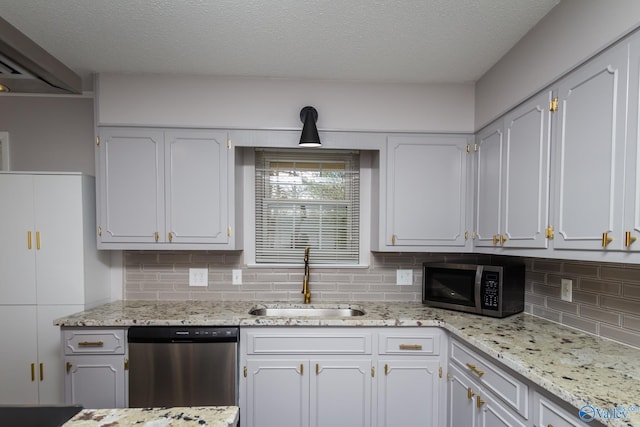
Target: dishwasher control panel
x,y
182,334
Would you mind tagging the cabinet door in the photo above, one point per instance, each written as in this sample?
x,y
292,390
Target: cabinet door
x,y
589,139
632,153
277,393
95,381
408,393
526,168
59,239
489,145
547,413
426,191
131,190
461,402
340,393
196,186
50,355
17,246
19,356
492,413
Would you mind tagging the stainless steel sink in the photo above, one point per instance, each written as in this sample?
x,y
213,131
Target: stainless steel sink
x,y
308,311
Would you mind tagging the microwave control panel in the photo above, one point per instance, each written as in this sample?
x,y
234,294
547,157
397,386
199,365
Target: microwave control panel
x,y
490,288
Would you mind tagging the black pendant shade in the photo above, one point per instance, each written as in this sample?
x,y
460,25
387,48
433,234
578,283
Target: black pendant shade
x,y
309,137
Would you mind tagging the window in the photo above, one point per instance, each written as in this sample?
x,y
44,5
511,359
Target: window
x,y
307,198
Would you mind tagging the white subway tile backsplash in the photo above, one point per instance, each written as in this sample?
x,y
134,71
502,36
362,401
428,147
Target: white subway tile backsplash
x,y
606,297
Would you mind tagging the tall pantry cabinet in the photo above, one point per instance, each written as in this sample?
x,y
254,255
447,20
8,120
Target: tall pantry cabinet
x,y
49,268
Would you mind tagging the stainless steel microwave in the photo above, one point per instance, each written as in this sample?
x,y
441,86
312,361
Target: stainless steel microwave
x,y
489,290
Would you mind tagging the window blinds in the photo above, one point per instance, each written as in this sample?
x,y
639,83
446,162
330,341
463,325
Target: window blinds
x,y
307,198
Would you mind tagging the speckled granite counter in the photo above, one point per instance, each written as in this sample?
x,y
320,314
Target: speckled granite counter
x,y
213,416
578,368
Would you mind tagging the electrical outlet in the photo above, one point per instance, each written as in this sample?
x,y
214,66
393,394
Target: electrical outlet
x,y
566,292
236,277
198,277
404,277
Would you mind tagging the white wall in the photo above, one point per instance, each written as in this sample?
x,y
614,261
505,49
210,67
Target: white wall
x,y
200,101
571,33
49,133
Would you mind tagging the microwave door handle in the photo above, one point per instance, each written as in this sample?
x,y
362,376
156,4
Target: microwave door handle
x,y
478,288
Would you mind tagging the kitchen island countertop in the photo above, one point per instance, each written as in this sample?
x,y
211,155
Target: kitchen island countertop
x,y
212,416
579,368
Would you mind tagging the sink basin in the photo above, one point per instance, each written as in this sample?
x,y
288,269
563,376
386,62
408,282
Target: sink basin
x,y
306,311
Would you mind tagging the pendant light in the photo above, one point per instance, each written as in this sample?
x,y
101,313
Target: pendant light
x,y
309,137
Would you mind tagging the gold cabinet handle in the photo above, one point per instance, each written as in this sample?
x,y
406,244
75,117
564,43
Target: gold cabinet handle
x,y
170,236
628,239
386,369
502,239
373,372
393,240
126,364
317,369
91,344
410,347
157,236
495,239
479,402
42,372
470,393
606,239
33,372
301,369
29,240
245,372
69,365
475,370
99,230
549,425
37,240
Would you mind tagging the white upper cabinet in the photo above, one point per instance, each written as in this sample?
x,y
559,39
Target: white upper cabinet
x,y
589,154
489,177
196,186
163,189
512,177
426,193
130,185
631,225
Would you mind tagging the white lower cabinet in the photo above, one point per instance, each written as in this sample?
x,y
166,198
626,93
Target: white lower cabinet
x,y
96,368
481,394
332,377
546,413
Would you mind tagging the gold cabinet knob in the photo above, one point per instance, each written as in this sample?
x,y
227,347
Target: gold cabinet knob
x,y
495,239
606,239
479,402
502,239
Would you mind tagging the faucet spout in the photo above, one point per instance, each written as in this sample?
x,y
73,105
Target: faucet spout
x,y
305,280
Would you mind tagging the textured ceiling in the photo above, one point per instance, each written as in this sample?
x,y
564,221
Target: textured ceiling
x,y
369,40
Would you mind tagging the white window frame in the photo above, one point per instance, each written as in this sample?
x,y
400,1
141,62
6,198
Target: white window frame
x,y
367,143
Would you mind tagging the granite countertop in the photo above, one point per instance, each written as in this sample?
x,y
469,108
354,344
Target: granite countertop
x,y
213,416
578,368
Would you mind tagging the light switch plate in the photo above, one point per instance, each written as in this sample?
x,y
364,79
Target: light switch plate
x,y
404,277
566,292
236,277
198,277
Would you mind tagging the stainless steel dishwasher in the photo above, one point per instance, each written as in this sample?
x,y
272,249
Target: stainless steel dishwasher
x,y
182,366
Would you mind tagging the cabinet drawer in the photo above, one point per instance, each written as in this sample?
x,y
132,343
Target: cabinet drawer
x,y
550,414
409,343
512,391
107,341
306,342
